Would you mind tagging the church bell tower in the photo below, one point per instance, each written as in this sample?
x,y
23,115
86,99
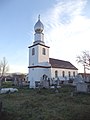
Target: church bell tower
x,y
38,56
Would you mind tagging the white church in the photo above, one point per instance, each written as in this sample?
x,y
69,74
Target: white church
x,y
40,64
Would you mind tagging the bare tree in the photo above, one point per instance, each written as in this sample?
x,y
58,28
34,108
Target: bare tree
x,y
3,68
84,59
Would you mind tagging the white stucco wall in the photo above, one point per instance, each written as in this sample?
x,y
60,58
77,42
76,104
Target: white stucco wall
x,y
38,57
39,37
60,72
35,74
33,59
41,57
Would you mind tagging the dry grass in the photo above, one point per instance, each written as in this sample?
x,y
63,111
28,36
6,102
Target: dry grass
x,y
46,104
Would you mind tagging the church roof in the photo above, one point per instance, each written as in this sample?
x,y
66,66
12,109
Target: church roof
x,y
55,63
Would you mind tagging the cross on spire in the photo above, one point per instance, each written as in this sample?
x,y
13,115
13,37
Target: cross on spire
x,y
39,17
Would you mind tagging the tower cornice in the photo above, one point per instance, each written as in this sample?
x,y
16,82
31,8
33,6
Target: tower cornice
x,y
38,44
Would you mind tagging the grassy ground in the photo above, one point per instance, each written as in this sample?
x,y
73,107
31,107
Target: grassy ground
x,y
46,104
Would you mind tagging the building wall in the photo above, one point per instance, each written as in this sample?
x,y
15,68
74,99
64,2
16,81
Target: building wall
x,y
41,56
60,75
35,74
38,57
33,59
39,36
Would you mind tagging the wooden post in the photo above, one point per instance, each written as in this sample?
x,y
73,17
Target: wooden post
x,y
84,72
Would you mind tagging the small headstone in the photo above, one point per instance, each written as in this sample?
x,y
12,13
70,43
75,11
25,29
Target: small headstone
x,y
52,86
71,94
59,86
56,91
0,107
20,83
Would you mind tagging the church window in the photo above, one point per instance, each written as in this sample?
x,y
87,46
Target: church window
x,y
56,74
44,51
63,73
73,74
33,51
69,74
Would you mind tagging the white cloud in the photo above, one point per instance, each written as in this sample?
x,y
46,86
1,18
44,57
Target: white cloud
x,y
67,29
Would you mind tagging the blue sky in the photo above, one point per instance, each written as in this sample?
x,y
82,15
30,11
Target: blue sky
x,y
66,23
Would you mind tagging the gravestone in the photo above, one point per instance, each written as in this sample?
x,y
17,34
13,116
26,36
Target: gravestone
x,y
78,79
20,82
15,81
44,82
81,87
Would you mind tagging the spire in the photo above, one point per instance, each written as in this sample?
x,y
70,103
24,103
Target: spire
x,y
39,27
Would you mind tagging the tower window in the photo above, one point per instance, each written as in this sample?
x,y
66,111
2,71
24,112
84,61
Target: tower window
x,y
56,74
63,73
33,51
44,51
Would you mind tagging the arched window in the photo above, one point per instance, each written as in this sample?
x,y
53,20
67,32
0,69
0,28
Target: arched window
x,y
73,74
33,51
44,51
56,74
69,74
63,73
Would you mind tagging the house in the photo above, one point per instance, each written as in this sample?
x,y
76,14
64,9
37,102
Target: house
x,y
40,65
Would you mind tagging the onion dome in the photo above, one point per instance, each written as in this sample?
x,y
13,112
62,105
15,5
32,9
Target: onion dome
x,y
39,27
